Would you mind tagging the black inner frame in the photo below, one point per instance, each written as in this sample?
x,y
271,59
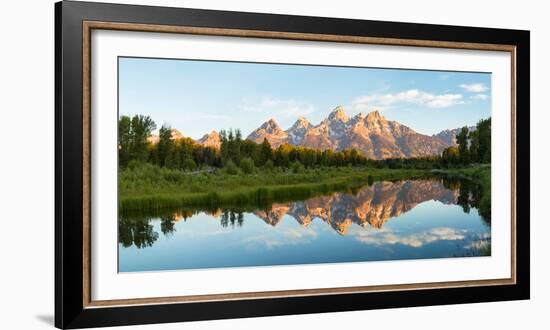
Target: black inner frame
x,y
69,307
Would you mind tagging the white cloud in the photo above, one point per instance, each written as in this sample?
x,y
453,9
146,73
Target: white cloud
x,y
474,88
412,96
413,240
480,244
444,101
281,237
277,108
479,97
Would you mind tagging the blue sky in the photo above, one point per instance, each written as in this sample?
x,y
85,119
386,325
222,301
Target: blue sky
x,y
197,97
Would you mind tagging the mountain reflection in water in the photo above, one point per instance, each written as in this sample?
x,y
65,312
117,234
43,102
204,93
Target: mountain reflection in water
x,y
410,219
373,205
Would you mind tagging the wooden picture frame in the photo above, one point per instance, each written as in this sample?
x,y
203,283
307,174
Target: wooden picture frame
x,y
74,307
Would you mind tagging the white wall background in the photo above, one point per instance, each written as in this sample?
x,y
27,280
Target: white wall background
x,y
27,168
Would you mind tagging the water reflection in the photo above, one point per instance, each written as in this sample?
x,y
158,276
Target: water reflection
x,y
370,206
138,232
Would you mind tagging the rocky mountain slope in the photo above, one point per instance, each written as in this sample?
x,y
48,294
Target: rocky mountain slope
x,y
372,135
175,135
448,136
211,139
271,131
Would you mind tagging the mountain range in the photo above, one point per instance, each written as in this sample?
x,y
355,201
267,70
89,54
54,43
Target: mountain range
x,y
372,135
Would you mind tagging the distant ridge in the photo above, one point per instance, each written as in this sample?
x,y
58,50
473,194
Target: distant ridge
x,y
372,135
449,135
211,139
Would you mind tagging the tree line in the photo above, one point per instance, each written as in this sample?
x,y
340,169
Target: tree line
x,y
237,155
473,146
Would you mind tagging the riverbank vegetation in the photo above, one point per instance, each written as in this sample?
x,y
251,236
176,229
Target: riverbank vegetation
x,y
147,186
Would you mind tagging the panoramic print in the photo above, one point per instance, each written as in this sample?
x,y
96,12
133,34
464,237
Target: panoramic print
x,y
234,164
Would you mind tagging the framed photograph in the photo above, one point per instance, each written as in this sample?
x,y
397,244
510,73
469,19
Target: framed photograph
x,y
214,164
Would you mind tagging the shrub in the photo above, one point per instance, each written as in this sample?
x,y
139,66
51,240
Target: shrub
x,y
172,176
297,167
189,164
268,166
134,164
247,165
231,168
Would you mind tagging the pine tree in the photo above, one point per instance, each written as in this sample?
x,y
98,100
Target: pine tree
x,y
165,144
462,141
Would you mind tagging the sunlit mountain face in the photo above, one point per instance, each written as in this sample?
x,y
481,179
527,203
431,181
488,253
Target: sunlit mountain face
x,y
371,135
